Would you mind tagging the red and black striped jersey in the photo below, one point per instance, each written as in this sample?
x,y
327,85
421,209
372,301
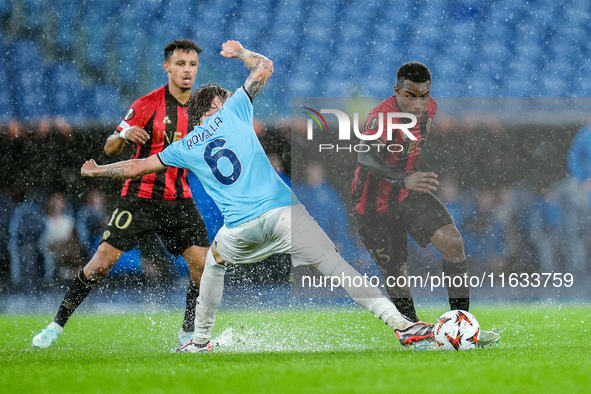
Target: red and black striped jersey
x,y
376,195
166,121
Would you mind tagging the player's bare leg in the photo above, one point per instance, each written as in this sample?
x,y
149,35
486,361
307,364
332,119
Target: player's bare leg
x,y
102,261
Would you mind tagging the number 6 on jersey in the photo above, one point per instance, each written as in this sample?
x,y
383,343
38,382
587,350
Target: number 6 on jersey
x,y
212,160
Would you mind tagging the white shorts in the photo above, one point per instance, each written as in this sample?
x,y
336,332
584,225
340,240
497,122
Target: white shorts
x,y
281,230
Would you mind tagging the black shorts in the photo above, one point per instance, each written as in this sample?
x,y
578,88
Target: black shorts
x,y
385,235
178,224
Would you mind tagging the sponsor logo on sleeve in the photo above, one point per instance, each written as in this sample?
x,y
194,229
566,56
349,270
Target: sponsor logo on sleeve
x,y
130,114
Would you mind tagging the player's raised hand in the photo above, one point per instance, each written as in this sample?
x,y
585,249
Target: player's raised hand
x,y
423,182
88,168
230,48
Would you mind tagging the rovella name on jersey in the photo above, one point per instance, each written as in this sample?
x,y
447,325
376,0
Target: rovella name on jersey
x,y
210,129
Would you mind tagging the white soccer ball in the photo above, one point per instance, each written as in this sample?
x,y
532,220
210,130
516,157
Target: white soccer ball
x,y
457,330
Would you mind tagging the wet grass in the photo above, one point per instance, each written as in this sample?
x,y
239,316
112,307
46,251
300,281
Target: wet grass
x,y
545,348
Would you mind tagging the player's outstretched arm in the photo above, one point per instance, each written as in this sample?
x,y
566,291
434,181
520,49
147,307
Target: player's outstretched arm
x,y
123,169
260,67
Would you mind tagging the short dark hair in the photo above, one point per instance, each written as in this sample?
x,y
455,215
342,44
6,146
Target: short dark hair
x,y
201,101
414,72
182,44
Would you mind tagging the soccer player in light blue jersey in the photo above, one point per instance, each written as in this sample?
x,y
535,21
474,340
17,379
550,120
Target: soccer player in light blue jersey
x,y
261,215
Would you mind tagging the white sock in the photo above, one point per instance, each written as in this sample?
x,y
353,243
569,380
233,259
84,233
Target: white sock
x,y
210,296
53,324
398,322
366,295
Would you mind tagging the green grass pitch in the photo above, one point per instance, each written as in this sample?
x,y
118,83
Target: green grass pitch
x,y
545,349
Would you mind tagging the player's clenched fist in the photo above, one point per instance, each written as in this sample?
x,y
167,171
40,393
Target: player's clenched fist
x,y
230,48
88,168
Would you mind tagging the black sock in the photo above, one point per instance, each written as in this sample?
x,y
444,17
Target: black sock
x,y
401,296
459,296
77,292
406,306
192,294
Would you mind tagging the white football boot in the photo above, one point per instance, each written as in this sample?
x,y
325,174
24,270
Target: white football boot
x,y
192,347
47,336
487,338
184,337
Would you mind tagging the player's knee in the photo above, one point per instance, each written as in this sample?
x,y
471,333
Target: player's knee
x,y
454,248
457,244
195,257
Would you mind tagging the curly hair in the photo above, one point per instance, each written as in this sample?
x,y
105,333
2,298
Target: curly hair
x,y
201,101
414,72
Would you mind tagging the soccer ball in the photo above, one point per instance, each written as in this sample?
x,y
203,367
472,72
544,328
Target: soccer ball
x,y
457,330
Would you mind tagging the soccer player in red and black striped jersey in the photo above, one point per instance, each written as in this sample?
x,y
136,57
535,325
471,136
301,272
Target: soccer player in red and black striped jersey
x,y
392,199
152,204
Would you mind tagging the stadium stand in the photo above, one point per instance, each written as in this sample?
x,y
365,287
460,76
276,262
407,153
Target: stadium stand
x,y
5,104
64,85
26,81
496,49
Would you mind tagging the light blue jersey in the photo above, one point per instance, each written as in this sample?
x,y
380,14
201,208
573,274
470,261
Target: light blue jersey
x,y
227,157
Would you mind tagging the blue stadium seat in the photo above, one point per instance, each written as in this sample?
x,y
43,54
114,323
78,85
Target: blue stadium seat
x,y
64,87
285,25
66,13
131,44
581,83
520,84
25,53
26,72
102,104
209,37
477,86
252,19
144,11
256,12
96,53
6,112
178,18
34,14
301,82
5,8
97,29
335,88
